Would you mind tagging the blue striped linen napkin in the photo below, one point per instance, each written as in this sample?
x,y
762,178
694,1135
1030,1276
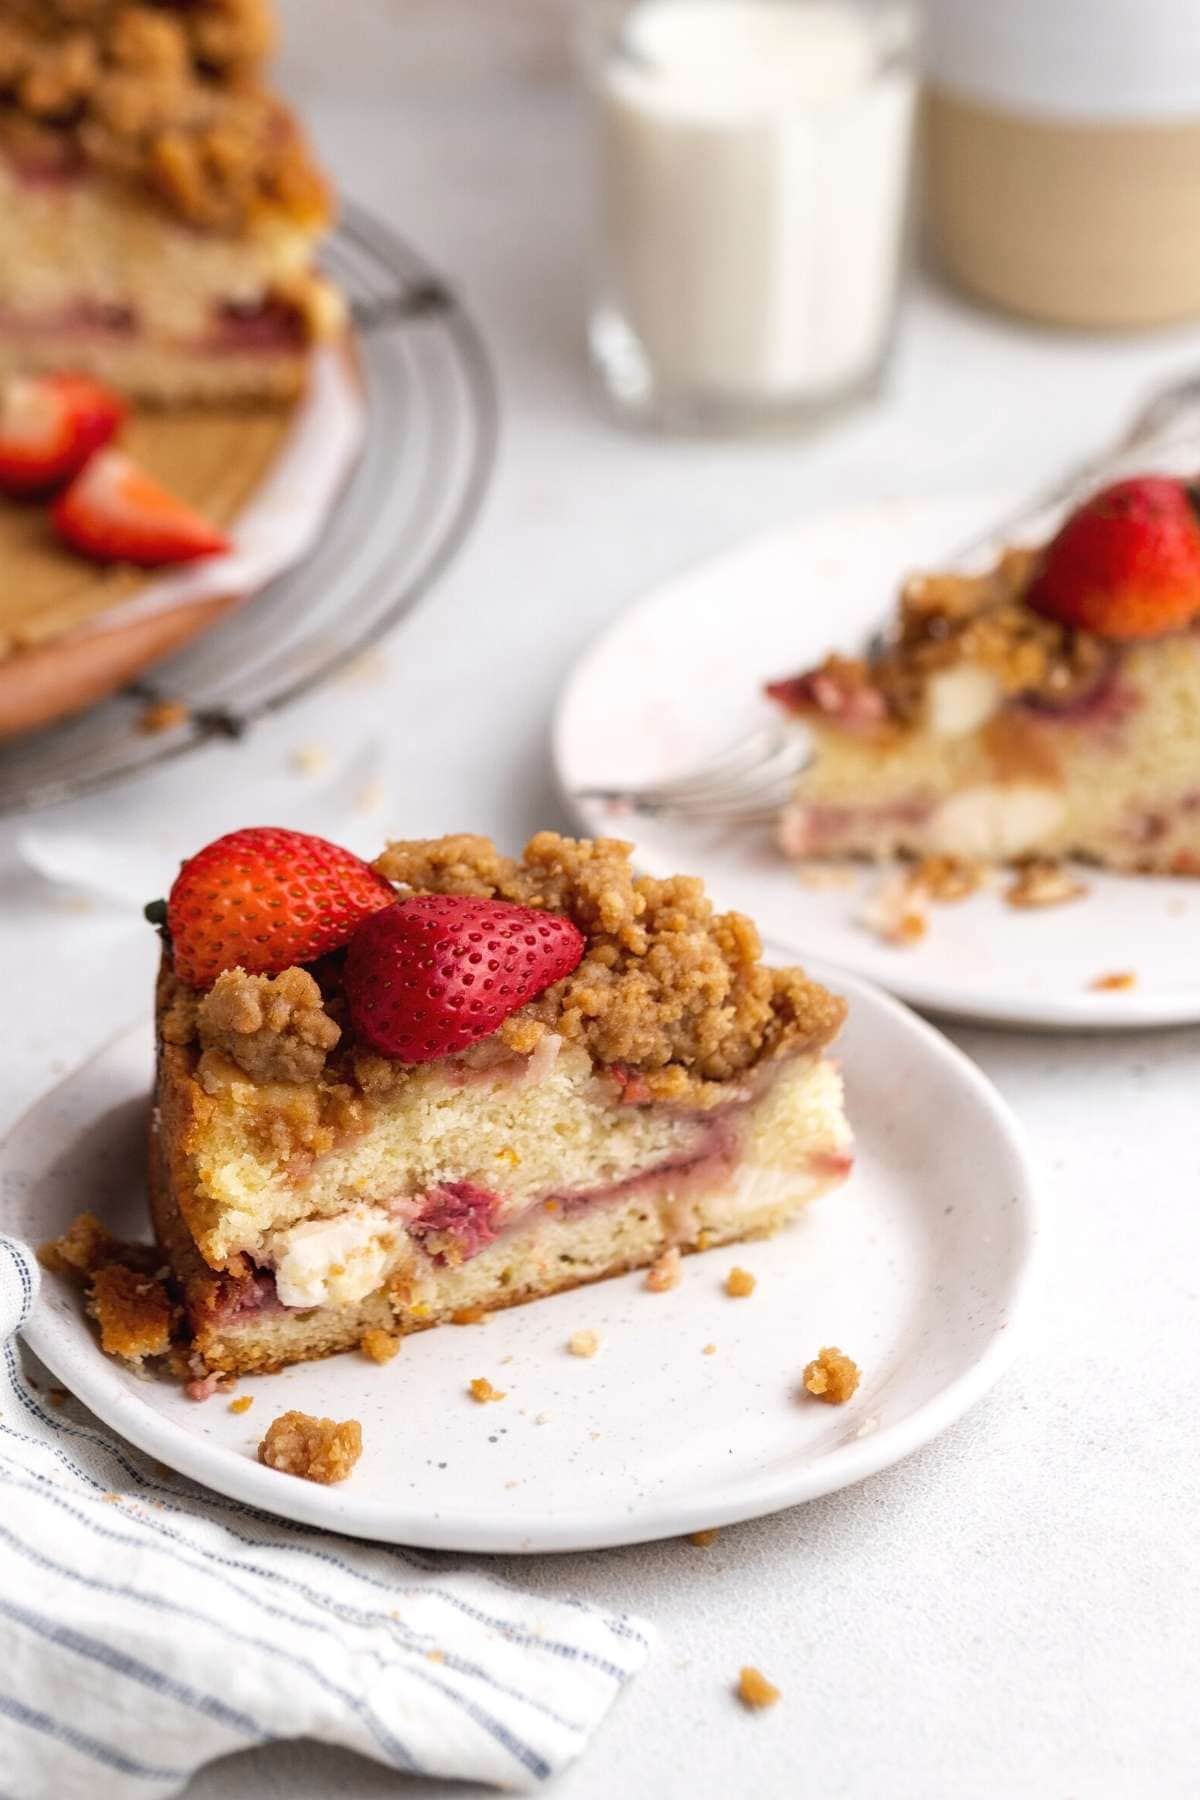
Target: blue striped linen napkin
x,y
148,1626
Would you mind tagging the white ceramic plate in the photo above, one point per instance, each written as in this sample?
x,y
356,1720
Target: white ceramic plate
x,y
918,1268
679,676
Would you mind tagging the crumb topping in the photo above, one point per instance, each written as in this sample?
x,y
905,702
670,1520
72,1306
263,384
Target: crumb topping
x,y
132,1309
739,1284
1117,983
242,1404
274,1027
832,1376
85,1246
166,94
583,1343
754,1690
316,1449
946,620
666,986
482,1390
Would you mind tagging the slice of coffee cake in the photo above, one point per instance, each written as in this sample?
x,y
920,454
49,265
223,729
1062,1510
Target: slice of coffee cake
x,y
159,209
457,1080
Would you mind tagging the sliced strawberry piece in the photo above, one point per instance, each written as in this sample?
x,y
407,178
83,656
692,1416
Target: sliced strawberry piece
x,y
263,898
438,972
115,512
49,426
1126,564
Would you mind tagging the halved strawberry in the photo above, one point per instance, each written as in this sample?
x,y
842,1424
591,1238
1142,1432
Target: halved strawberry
x,y
438,972
1125,564
264,898
49,426
115,512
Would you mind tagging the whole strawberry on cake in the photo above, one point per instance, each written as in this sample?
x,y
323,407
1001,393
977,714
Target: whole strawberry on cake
x,y
452,1081
1048,708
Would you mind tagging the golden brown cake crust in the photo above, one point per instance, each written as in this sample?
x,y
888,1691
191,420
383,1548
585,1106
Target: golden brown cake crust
x,y
167,95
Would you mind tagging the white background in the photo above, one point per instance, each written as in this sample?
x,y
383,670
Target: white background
x,y
1014,1611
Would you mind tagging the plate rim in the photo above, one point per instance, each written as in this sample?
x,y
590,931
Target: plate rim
x,y
234,1475
1086,1012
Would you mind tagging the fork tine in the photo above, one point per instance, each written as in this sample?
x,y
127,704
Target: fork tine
x,y
748,782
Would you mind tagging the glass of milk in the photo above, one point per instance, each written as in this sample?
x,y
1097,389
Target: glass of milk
x,y
753,171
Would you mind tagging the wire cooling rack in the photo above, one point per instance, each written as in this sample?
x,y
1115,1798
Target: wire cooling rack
x,y
427,453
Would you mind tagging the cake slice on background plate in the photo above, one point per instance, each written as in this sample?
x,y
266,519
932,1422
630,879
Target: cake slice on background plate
x,y
456,1081
159,208
1047,708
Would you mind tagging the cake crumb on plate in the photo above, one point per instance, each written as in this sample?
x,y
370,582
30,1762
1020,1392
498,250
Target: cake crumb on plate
x,y
832,1376
242,1404
482,1390
702,1539
321,1450
583,1343
663,1273
163,715
754,1690
1043,882
380,1346
1118,982
739,1283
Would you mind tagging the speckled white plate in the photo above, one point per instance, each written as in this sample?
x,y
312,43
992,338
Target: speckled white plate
x,y
679,676
918,1267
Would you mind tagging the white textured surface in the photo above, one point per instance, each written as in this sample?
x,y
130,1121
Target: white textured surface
x,y
1011,1615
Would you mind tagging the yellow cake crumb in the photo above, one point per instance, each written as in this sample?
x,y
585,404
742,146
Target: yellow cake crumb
x,y
469,1315
583,1343
163,715
242,1404
482,1390
321,1450
133,1311
702,1539
709,1350
379,1346
831,1376
739,1283
663,1273
1116,983
754,1690
1043,882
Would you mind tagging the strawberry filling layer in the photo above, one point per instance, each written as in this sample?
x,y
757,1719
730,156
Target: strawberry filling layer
x,y
271,329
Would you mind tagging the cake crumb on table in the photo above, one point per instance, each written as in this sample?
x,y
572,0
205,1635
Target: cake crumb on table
x,y
583,1343
242,1404
832,1376
754,1690
1043,882
702,1539
379,1346
739,1283
322,1450
1116,983
663,1273
482,1390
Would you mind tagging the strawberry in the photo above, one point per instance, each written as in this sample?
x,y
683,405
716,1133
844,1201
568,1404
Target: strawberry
x,y
49,426
115,512
1126,564
263,898
437,972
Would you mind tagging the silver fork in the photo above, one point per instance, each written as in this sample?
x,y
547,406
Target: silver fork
x,y
751,779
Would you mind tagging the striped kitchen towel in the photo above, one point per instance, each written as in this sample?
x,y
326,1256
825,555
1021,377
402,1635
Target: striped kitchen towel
x,y
147,1626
